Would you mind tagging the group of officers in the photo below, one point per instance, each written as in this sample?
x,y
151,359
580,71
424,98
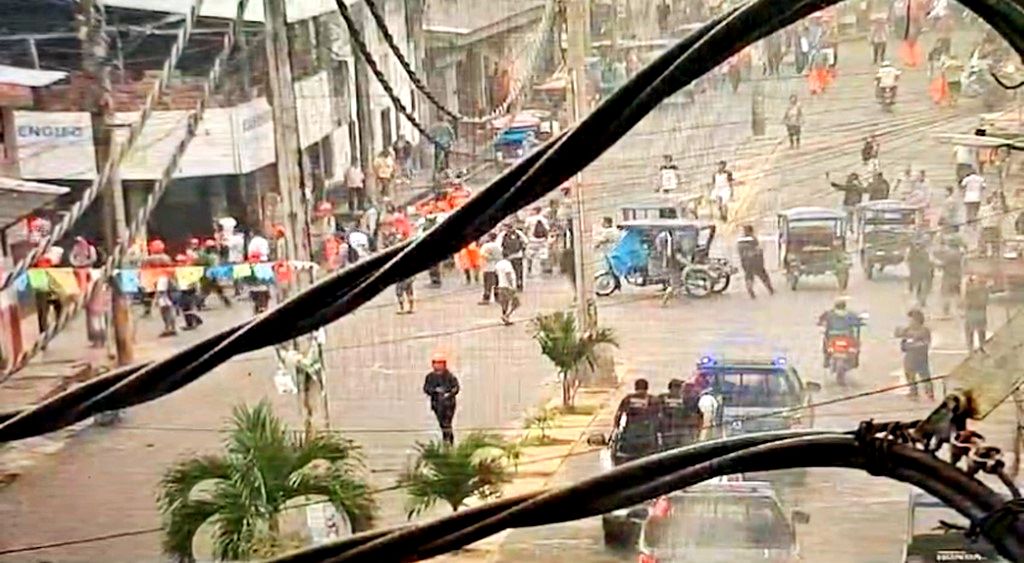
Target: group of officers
x,y
648,423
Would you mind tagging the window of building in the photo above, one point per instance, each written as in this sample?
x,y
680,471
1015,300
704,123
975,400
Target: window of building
x,y
340,92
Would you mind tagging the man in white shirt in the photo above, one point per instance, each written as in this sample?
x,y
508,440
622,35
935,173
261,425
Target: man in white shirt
x,y
513,246
607,236
359,242
506,290
708,405
490,251
966,161
973,186
537,230
355,184
721,189
259,248
887,77
668,175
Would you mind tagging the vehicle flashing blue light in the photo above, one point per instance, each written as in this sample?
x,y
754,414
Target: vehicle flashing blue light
x,y
706,361
780,362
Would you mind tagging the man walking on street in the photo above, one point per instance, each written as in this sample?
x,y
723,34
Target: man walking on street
x,y
442,387
752,261
919,262
794,121
951,258
976,313
356,187
384,170
973,186
513,247
538,228
505,293
490,251
722,189
915,342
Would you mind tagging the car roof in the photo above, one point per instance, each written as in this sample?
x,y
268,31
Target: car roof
x,y
887,205
798,213
735,488
667,223
747,363
648,206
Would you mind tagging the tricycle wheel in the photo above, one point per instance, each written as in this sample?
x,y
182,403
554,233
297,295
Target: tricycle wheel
x,y
792,280
605,283
722,284
697,282
843,277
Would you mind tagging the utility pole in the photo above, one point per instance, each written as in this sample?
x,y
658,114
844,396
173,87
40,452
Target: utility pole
x,y
578,31
364,113
96,63
288,152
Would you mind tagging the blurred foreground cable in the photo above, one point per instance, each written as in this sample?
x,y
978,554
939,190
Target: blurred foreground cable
x,y
541,172
670,471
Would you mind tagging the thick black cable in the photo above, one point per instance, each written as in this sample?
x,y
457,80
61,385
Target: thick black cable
x,y
520,185
382,26
657,475
360,43
430,531
836,450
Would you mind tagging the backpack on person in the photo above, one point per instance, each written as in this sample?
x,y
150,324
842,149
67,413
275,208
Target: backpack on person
x,y
540,230
512,243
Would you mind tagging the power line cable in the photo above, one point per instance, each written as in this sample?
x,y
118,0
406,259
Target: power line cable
x,y
382,26
516,188
357,38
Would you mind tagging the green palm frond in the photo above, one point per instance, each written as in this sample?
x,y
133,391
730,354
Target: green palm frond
x,y
559,341
327,447
347,492
237,522
264,467
181,524
181,479
453,474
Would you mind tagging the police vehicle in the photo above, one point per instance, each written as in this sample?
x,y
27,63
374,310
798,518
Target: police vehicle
x,y
935,532
722,520
756,395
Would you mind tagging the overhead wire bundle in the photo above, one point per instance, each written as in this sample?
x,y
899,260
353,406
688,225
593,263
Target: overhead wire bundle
x,y
539,173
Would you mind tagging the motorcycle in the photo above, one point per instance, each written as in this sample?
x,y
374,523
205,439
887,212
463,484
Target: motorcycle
x,y
843,352
887,97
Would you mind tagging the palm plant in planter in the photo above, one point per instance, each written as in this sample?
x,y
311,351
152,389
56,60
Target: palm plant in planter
x,y
473,467
561,343
243,491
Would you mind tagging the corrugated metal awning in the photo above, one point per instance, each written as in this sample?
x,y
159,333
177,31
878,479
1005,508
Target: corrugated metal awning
x,y
29,77
19,198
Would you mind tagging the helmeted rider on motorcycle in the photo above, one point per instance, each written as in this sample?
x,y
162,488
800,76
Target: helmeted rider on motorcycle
x,y
887,77
839,321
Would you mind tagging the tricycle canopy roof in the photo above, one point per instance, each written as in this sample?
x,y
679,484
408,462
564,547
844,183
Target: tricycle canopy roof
x,y
665,224
811,213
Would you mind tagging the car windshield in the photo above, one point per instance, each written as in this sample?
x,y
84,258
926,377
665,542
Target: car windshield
x,y
716,521
774,388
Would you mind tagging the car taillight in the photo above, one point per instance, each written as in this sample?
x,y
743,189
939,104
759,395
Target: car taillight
x,y
647,558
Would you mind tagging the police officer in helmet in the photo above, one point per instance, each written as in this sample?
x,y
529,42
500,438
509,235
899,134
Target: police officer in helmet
x,y
637,419
442,387
679,419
